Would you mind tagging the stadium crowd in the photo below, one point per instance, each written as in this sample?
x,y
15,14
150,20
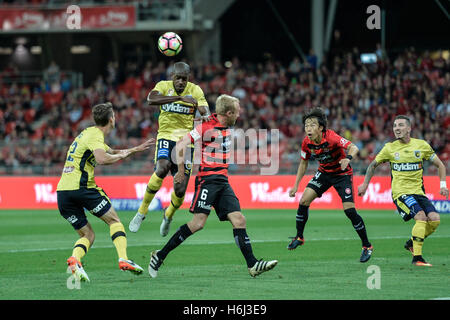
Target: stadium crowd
x,y
39,120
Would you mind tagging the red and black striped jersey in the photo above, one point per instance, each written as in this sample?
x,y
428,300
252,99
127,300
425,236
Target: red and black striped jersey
x,y
328,152
215,141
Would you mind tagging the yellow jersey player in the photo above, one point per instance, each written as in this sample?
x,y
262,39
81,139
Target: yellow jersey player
x,y
77,190
406,156
179,100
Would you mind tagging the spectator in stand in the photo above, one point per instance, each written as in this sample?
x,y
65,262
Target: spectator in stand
x,y
363,99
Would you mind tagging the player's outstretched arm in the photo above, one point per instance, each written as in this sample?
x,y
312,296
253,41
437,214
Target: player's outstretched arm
x,y
142,147
104,158
369,174
112,156
442,176
300,173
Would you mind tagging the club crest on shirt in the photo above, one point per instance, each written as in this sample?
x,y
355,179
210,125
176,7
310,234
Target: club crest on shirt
x,y
397,156
417,153
170,92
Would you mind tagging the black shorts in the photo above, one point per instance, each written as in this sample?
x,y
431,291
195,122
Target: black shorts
x,y
214,191
408,205
165,149
71,205
343,184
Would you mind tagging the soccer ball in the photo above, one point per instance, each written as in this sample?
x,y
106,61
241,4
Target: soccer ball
x,y
170,44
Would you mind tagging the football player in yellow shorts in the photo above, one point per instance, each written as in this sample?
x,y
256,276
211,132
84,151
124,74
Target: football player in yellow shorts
x,y
178,100
77,190
406,156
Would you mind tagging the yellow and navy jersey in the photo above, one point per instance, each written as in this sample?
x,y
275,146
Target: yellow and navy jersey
x,y
79,167
177,118
406,160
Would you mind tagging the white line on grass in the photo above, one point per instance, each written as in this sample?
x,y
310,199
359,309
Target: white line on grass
x,y
154,243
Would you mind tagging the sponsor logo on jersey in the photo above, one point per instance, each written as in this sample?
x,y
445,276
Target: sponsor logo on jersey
x,y
407,166
68,169
177,108
324,158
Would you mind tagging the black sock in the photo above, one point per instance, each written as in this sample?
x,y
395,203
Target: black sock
x,y
359,226
182,234
243,243
300,219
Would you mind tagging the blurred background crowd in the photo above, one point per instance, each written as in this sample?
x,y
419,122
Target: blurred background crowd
x,y
39,120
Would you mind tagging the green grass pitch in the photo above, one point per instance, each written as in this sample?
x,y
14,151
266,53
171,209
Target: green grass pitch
x,y
34,246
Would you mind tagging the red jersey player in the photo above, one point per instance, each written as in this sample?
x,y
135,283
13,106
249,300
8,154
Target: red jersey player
x,y
211,186
334,170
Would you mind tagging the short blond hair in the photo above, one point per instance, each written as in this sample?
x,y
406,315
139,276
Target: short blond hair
x,y
225,103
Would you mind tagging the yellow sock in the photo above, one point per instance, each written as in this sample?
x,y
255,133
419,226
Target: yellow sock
x,y
119,238
80,248
175,203
154,184
418,235
428,230
431,227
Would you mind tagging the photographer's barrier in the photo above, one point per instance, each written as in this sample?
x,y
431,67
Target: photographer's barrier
x,y
254,192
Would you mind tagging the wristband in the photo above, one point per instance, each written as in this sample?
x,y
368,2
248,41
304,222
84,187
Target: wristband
x,y
443,184
349,157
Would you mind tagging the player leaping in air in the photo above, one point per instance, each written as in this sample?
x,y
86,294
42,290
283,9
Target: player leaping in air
x,y
406,156
334,171
212,189
179,100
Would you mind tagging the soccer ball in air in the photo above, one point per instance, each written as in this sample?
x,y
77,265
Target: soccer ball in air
x,y
170,44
